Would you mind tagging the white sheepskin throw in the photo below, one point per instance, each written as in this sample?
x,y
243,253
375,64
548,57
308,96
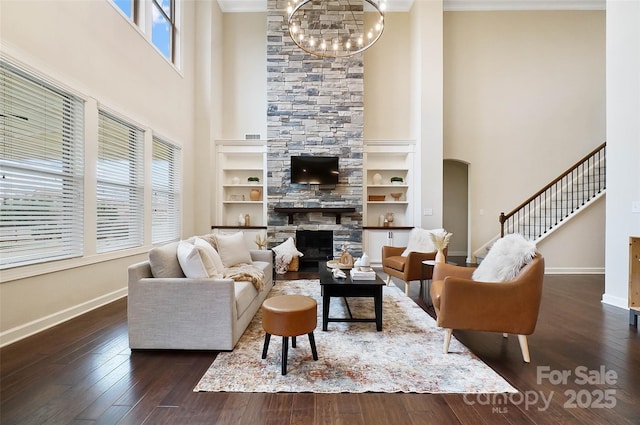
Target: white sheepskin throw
x,y
420,241
284,254
505,259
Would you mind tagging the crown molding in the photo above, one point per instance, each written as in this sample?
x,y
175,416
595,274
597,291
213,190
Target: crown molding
x,y
238,6
499,5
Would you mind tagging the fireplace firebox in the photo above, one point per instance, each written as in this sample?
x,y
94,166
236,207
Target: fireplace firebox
x,y
316,245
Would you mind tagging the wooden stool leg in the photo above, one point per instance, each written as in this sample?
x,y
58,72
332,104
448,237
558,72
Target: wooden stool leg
x,y
267,338
312,342
285,351
293,341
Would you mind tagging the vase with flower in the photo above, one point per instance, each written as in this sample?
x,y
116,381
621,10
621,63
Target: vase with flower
x,y
440,239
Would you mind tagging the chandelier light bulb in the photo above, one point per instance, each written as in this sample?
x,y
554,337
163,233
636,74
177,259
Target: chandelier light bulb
x,y
341,22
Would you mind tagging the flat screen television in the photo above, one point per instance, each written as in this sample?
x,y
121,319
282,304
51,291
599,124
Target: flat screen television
x,y
314,169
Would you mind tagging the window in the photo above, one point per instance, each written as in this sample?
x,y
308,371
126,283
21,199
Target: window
x,y
41,171
165,182
163,30
127,6
119,190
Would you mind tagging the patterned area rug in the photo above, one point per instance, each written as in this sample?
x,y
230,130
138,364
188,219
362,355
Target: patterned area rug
x,y
406,356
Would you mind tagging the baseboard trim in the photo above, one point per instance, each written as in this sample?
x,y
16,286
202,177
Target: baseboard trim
x,y
615,301
574,270
28,329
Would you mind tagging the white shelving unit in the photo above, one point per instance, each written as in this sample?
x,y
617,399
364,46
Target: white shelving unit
x,y
236,162
388,160
384,160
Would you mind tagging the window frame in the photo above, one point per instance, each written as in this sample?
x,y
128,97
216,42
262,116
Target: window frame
x,y
58,223
131,214
172,191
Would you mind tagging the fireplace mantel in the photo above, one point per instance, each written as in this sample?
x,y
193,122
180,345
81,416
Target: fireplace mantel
x,y
290,211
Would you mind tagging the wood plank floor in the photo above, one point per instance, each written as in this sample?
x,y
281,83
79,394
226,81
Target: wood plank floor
x,y
82,372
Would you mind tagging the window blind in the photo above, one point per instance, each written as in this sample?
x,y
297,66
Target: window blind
x,y
165,181
119,185
41,170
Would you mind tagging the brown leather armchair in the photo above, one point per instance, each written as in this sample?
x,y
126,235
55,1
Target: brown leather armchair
x,y
508,307
406,268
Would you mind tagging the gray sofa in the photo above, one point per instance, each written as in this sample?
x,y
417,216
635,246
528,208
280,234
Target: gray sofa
x,y
174,312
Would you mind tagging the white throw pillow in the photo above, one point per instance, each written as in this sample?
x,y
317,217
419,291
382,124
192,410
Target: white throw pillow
x,y
191,261
233,250
210,258
287,250
505,259
419,241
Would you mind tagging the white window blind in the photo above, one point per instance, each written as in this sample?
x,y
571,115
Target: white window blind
x,y
41,170
119,189
165,181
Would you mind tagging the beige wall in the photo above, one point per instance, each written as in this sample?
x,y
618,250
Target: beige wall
x,y
387,82
524,100
245,75
90,48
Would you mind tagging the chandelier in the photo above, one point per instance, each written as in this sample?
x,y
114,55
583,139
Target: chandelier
x,y
335,28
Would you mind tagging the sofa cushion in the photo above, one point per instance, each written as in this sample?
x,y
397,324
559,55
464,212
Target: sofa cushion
x,y
505,259
210,258
163,261
245,294
191,261
232,249
419,241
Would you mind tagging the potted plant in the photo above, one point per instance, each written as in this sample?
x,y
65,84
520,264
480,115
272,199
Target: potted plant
x,y
253,179
397,180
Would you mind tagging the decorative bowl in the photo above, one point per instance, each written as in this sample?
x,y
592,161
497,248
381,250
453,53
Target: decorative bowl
x,y
396,196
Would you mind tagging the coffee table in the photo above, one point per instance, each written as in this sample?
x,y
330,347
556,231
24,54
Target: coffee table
x,y
346,287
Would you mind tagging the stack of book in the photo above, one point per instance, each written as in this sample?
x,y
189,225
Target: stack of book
x,y
363,273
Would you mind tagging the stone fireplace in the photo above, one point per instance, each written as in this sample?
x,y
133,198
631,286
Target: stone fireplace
x,y
315,107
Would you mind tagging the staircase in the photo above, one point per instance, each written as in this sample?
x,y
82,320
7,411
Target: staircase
x,y
556,203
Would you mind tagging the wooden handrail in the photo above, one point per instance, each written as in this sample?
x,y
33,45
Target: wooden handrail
x,y
503,217
538,195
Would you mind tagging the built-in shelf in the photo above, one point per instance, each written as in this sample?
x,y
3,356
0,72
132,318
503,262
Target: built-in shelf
x,y
240,227
290,211
387,228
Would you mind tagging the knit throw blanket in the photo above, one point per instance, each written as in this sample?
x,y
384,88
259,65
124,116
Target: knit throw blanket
x,y
246,272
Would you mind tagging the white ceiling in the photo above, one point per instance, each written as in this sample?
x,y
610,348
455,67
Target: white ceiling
x,y
449,5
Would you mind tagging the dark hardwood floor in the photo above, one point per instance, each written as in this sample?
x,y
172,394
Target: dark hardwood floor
x,y
82,372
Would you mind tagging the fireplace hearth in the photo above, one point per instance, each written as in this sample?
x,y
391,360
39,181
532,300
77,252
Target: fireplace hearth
x,y
316,245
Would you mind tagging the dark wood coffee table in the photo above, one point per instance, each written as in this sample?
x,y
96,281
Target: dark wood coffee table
x,y
344,288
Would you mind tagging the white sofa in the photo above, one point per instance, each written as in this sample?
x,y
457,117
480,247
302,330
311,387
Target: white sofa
x,y
167,310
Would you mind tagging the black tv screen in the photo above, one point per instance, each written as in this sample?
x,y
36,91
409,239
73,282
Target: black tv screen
x,y
314,169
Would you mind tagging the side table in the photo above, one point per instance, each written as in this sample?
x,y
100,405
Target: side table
x,y
426,265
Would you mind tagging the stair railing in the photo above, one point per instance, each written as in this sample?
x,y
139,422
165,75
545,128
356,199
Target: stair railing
x,y
548,207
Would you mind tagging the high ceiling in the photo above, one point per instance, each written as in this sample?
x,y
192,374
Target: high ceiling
x,y
405,5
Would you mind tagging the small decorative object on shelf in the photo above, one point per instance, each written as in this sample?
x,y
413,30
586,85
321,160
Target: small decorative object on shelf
x,y
396,196
397,180
254,195
377,178
247,220
253,179
389,218
235,180
440,240
241,220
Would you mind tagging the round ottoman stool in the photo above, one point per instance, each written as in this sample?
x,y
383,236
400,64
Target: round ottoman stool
x,y
289,316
